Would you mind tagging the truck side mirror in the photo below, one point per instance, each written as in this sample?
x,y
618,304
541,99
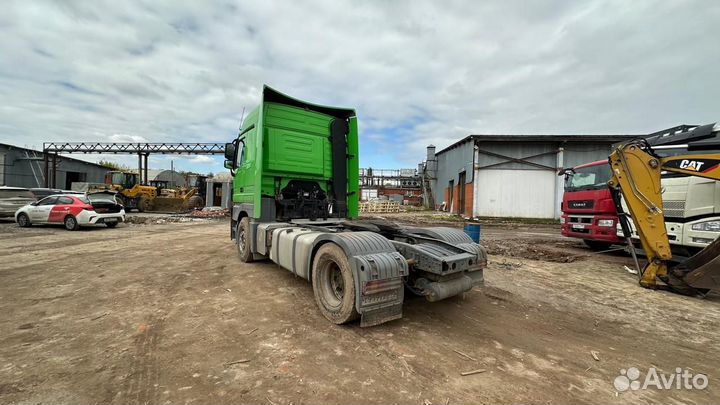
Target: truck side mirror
x,y
228,164
229,152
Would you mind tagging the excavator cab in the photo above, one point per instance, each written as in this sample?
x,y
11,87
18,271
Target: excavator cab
x,y
637,167
125,180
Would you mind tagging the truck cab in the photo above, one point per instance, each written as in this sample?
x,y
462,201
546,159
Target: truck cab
x,y
292,160
588,209
691,207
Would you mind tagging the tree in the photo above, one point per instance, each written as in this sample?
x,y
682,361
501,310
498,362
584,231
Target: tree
x,y
108,164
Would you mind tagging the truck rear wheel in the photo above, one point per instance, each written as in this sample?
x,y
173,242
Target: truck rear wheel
x,y
242,239
334,285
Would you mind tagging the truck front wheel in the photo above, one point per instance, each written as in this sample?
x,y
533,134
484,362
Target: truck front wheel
x,y
334,285
242,238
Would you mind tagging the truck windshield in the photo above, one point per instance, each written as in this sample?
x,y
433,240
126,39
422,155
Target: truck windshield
x,y
588,178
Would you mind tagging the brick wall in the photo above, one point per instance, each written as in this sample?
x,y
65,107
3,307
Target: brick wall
x,y
456,199
468,199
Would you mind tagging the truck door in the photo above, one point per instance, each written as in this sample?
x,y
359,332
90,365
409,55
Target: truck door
x,y
244,183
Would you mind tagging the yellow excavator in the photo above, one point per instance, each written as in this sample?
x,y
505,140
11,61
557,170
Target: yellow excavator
x,y
637,167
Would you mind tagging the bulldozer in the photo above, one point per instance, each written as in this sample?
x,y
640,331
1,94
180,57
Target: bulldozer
x,y
177,199
637,167
156,197
132,194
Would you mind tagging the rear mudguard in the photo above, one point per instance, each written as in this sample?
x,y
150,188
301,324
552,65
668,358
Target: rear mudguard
x,y
378,270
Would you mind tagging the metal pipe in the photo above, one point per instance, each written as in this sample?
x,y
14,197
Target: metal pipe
x,y
145,175
46,157
54,171
140,172
664,147
439,290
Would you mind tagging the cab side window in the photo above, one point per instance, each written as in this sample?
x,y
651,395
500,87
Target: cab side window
x,y
240,156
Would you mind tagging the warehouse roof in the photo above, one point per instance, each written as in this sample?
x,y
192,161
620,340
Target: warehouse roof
x,y
34,152
539,138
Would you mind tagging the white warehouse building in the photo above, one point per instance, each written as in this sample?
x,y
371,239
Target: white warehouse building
x,y
510,175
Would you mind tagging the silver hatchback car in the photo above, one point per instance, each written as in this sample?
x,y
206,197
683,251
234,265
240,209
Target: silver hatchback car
x,y
12,198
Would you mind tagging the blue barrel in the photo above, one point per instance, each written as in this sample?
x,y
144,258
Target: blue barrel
x,y
473,231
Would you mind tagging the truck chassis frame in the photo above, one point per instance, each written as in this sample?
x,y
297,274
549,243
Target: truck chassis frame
x,y
384,259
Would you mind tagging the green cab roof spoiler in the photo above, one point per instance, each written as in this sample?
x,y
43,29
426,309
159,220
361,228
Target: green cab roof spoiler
x,y
271,95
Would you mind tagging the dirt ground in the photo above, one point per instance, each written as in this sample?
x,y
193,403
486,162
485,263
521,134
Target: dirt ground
x,y
166,313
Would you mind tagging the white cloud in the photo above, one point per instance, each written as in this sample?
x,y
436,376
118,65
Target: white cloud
x,y
203,160
127,138
417,72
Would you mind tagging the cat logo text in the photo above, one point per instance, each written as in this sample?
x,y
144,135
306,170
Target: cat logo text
x,y
691,165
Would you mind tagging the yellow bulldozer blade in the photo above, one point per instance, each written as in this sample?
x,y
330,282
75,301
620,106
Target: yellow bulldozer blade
x,y
700,273
177,204
168,204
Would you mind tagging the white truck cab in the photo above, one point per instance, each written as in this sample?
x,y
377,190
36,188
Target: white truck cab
x,y
692,212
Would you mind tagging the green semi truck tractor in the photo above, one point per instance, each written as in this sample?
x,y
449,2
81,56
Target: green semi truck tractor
x,y
295,169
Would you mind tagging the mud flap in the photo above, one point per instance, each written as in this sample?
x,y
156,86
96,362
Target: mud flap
x,y
376,316
702,271
378,270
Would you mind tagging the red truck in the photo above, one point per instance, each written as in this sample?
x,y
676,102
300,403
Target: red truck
x,y
588,209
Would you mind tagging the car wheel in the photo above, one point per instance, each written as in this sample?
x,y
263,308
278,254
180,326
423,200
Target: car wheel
x,y
111,224
242,239
334,285
71,223
23,220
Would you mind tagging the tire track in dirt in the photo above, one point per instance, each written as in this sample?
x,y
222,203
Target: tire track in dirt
x,y
143,383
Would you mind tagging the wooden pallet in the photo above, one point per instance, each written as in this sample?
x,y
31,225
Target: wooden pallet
x,y
380,207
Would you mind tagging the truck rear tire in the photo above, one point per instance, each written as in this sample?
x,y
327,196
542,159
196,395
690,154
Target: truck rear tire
x,y
334,284
242,239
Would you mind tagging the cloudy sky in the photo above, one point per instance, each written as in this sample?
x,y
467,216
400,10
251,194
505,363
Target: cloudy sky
x,y
417,72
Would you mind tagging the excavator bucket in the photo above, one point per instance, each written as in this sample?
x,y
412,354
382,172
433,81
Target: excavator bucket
x,y
702,271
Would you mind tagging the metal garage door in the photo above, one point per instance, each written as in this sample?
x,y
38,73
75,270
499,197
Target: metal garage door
x,y
515,193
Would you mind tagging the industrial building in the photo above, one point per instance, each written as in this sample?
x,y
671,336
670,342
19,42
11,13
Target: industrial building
x,y
170,178
22,167
219,191
509,175
401,185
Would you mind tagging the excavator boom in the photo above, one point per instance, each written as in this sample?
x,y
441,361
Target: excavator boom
x,y
637,170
